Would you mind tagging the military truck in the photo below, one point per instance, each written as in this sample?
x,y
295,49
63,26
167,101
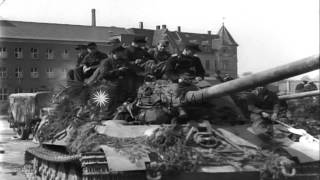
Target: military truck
x,y
25,111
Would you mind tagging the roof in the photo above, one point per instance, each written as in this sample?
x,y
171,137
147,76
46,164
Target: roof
x,y
226,37
198,38
145,32
51,31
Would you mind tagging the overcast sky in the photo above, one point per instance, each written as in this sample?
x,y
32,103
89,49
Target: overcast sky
x,y
269,32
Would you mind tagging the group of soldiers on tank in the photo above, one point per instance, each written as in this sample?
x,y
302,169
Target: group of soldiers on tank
x,y
128,67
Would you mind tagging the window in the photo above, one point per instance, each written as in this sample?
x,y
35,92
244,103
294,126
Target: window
x,y
208,64
34,73
65,54
34,53
3,73
18,53
18,90
18,72
3,52
49,54
3,94
50,73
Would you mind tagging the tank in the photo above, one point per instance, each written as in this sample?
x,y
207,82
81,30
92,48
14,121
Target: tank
x,y
169,134
25,111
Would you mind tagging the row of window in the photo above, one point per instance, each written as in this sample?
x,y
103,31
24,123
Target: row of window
x,y
34,72
4,92
34,53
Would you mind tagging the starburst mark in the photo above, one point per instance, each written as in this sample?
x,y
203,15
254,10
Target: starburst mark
x,y
101,98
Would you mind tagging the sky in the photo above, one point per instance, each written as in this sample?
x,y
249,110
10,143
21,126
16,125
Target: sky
x,y
269,32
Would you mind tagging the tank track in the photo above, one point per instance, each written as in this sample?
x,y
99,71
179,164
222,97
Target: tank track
x,y
45,164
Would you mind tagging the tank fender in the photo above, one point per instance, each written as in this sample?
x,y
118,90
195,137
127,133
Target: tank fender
x,y
118,161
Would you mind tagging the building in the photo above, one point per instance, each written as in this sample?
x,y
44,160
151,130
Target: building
x,y
36,56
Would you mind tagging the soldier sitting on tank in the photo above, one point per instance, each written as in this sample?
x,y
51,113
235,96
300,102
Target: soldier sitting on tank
x,y
81,54
263,106
90,63
184,69
159,55
136,52
119,72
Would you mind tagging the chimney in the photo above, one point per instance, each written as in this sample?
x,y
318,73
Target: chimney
x,y
179,29
209,32
157,27
93,17
141,25
164,26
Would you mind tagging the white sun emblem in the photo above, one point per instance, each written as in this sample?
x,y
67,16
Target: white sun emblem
x,y
101,98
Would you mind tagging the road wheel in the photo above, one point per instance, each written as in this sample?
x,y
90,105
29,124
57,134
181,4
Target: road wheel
x,y
23,132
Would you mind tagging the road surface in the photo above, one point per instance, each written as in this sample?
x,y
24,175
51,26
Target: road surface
x,y
12,159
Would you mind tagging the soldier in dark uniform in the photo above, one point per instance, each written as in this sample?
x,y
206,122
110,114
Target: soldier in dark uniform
x,y
186,66
138,56
113,43
136,52
184,69
90,62
81,54
263,106
159,55
119,74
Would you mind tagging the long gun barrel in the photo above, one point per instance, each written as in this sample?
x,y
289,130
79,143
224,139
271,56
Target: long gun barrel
x,y
300,95
268,76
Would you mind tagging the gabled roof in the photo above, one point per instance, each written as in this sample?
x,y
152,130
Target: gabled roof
x,y
51,31
226,37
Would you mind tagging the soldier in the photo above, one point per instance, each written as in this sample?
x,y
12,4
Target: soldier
x,y
90,63
186,66
136,52
160,55
81,54
137,55
113,43
263,106
120,74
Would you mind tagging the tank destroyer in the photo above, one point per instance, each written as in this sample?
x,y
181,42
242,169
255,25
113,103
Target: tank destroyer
x,y
145,140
